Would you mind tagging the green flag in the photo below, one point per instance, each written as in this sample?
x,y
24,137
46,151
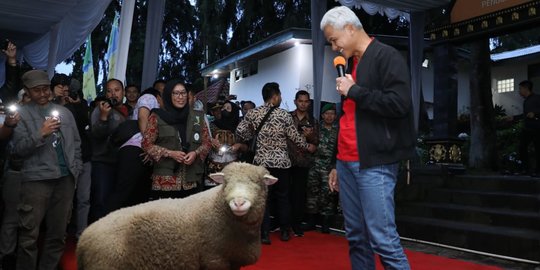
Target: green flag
x,y
89,82
112,48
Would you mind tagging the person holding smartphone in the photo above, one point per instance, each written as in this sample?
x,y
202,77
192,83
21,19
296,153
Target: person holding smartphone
x,y
48,142
11,87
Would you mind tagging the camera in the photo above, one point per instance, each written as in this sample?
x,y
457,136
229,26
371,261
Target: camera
x,y
111,101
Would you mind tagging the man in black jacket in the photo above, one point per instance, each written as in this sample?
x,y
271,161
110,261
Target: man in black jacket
x,y
531,127
375,133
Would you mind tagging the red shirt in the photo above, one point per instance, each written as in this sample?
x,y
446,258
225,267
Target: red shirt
x,y
347,141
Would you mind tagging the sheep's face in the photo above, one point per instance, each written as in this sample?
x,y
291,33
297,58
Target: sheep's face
x,y
244,186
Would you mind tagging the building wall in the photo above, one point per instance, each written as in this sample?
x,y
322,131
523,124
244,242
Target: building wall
x,y
512,102
283,68
292,70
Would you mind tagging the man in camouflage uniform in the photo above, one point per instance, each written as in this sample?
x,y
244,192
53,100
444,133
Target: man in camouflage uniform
x,y
320,200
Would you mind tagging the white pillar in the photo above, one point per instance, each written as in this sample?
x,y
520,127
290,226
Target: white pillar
x,y
152,42
416,54
124,33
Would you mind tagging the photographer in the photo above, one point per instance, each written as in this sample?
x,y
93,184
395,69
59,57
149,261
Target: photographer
x,y
105,118
60,88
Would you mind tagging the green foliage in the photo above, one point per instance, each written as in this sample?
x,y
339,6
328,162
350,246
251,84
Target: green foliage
x,y
499,110
515,40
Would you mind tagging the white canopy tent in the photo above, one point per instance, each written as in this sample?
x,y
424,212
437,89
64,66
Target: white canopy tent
x,y
47,32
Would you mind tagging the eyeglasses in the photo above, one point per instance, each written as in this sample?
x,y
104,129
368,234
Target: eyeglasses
x,y
179,94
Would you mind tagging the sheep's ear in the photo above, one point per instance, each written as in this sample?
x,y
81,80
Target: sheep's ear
x,y
269,180
217,177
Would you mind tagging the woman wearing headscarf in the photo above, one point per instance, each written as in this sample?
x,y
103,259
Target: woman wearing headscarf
x,y
176,139
230,117
225,148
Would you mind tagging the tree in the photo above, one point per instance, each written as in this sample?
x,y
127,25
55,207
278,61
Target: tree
x,y
207,32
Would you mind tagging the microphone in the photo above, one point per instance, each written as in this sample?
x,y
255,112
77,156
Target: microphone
x,y
339,63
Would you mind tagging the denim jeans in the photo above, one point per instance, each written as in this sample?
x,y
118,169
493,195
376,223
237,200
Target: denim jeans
x,y
367,199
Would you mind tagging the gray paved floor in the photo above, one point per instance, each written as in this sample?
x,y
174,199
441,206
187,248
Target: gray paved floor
x,y
466,256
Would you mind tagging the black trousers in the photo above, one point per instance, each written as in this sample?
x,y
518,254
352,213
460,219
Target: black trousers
x,y
132,179
297,194
527,137
278,198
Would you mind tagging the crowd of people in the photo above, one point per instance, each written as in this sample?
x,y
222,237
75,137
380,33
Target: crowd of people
x,y
70,161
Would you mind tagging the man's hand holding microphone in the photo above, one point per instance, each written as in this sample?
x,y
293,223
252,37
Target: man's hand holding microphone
x,y
343,81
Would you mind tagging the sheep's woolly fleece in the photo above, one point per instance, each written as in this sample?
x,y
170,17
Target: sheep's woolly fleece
x,y
198,232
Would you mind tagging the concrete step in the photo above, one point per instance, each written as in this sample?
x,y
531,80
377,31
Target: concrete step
x,y
501,240
475,214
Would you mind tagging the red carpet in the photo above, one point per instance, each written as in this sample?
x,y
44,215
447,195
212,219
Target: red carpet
x,y
316,251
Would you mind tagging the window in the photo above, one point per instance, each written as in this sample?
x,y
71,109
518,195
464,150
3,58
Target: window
x,y
246,71
253,68
505,86
237,75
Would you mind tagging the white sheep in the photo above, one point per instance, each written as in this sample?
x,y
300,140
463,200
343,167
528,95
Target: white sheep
x,y
215,229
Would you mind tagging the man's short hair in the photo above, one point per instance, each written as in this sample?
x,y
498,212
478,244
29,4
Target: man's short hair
x,y
301,93
527,84
158,81
133,85
152,91
248,102
269,90
114,80
60,79
340,16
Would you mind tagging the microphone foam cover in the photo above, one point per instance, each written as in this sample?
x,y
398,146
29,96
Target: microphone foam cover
x,y
339,60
